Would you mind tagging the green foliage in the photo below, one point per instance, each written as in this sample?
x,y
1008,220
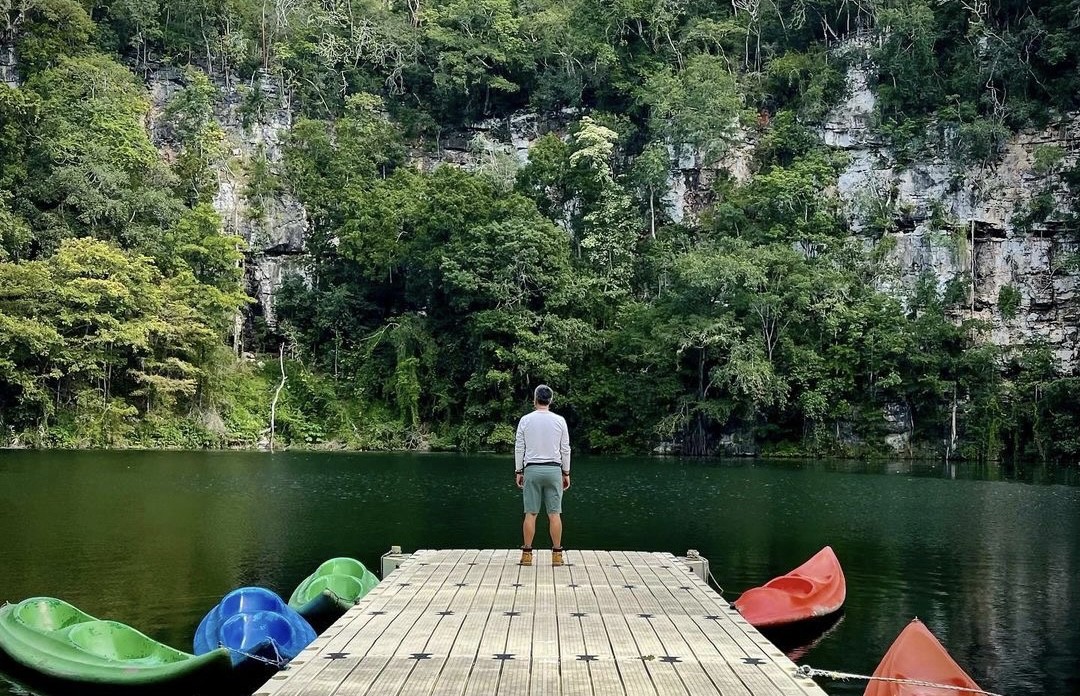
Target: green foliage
x,y
263,185
979,140
1047,159
15,234
52,31
19,113
809,83
96,172
907,57
1008,301
191,114
433,299
477,46
698,106
982,69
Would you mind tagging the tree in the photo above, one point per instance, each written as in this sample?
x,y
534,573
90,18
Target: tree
x,y
698,106
477,47
46,31
136,25
19,114
191,115
651,171
606,232
15,234
99,174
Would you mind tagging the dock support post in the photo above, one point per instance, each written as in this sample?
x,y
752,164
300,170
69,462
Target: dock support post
x,y
392,559
698,564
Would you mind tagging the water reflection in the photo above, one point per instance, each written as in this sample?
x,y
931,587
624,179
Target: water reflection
x,y
155,539
797,641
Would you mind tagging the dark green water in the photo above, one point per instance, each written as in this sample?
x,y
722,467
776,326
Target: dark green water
x,y
990,563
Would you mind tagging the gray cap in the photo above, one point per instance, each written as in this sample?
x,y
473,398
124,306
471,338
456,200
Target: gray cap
x,y
543,394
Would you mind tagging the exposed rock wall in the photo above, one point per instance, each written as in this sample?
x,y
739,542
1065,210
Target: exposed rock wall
x,y
950,220
958,222
9,67
10,20
276,230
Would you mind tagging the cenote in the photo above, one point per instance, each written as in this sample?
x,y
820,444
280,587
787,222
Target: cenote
x,y
989,560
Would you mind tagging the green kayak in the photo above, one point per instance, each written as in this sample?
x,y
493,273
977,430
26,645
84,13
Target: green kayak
x,y
328,593
49,639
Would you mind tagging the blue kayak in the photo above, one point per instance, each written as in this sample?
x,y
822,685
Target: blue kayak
x,y
254,624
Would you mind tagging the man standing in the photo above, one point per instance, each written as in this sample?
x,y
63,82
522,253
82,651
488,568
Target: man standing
x,y
542,471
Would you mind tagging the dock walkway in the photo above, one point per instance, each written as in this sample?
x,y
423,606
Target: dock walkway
x,y
464,622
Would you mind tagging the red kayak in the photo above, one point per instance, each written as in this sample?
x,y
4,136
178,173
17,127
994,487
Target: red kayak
x,y
815,588
916,654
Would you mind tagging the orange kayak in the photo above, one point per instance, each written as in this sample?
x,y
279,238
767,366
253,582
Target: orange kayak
x,y
815,588
917,654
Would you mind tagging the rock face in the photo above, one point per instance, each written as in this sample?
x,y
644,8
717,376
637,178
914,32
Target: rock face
x,y
275,229
475,146
8,66
953,222
276,234
9,30
964,223
898,426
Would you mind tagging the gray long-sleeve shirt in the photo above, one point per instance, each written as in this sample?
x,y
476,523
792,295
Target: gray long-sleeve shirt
x,y
542,436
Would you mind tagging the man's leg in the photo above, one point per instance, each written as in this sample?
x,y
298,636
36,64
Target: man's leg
x,y
528,529
555,526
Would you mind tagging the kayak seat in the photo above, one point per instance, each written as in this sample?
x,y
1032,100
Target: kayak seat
x,y
341,566
248,631
249,600
344,586
115,641
45,614
792,585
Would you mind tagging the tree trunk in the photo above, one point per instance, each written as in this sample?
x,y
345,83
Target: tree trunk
x,y
697,444
277,393
952,427
238,328
972,268
652,214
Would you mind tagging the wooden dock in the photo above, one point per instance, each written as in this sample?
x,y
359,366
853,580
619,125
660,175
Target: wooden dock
x,y
464,622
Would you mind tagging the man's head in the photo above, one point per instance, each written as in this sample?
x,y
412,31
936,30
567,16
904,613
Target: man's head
x,y
542,395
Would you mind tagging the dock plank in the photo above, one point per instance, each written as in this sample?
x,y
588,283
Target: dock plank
x,y
312,671
474,622
634,677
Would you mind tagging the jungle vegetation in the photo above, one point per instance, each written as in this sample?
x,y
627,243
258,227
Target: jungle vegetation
x,y
434,298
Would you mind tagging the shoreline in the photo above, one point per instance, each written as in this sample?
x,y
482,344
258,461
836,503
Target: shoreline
x,y
767,456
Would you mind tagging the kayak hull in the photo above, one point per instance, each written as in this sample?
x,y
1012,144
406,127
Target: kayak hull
x,y
254,624
48,640
331,590
324,609
917,655
816,588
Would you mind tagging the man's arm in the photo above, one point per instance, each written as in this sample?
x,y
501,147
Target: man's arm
x,y
519,449
564,448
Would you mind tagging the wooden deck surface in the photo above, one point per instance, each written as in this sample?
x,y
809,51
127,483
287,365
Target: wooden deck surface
x,y
464,622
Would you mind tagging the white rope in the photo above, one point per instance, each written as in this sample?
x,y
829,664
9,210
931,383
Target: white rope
x,y
808,671
719,590
279,662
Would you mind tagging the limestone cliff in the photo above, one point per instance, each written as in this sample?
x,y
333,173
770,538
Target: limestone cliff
x,y
952,221
276,228
964,222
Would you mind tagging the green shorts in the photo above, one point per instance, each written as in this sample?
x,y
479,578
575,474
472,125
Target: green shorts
x,y
543,483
